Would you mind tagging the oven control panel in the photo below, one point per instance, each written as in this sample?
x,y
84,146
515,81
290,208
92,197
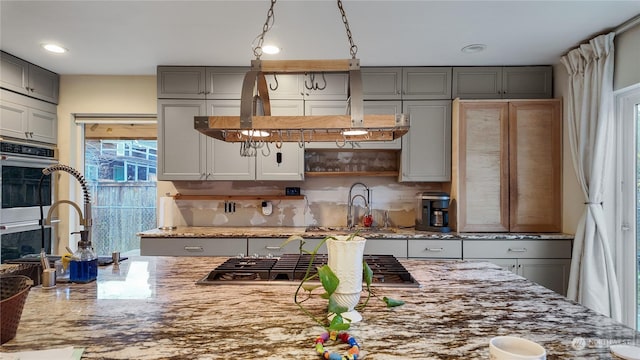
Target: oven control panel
x,y
14,148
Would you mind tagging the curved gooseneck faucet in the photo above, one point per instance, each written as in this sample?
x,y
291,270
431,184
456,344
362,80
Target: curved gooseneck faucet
x,y
367,202
86,222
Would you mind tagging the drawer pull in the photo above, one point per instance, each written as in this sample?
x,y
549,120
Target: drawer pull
x,y
518,250
194,248
435,249
273,247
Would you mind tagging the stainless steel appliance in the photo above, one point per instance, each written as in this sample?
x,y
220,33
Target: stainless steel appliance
x,y
432,212
21,166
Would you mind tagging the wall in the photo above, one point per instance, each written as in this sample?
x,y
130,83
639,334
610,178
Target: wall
x,y
92,94
627,65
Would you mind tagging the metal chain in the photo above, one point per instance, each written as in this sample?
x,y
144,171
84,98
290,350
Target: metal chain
x,y
353,49
257,50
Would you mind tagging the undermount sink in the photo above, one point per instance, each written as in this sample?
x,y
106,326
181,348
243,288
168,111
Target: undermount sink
x,y
339,230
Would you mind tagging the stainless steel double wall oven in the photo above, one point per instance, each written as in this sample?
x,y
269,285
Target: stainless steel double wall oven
x,y
21,166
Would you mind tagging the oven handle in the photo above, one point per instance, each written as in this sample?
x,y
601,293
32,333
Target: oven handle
x,y
26,223
35,161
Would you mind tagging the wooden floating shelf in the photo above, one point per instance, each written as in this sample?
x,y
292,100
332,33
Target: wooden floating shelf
x,y
237,197
350,173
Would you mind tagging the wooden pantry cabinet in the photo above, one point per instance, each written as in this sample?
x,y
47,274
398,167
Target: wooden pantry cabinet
x,y
506,166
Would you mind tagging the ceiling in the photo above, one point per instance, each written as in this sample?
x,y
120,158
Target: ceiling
x,y
133,37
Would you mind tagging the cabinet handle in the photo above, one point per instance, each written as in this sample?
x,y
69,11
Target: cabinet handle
x,y
194,248
435,249
26,134
272,247
31,134
518,250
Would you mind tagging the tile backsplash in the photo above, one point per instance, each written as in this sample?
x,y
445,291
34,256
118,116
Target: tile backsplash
x,y
325,202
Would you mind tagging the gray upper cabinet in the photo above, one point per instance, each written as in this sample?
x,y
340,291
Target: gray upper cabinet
x,y
325,86
225,83
426,148
199,82
512,82
25,118
285,86
382,83
426,83
181,82
28,79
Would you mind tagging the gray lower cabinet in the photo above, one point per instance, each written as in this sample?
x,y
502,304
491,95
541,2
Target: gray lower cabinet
x,y
25,118
28,79
497,82
426,148
546,262
435,249
273,246
395,247
192,246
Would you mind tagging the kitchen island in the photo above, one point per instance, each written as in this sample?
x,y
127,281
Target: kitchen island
x,y
151,308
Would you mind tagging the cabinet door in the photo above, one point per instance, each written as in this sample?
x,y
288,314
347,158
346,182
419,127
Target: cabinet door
x,y
527,82
14,73
224,160
438,249
382,83
43,126
291,166
477,82
480,187
43,84
225,82
517,249
181,82
326,86
535,166
192,246
13,120
181,149
426,83
285,86
395,247
550,273
426,148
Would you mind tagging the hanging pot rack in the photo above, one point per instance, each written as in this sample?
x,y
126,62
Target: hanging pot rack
x,y
256,125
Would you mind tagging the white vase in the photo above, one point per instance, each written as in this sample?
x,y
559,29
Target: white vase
x,y
345,260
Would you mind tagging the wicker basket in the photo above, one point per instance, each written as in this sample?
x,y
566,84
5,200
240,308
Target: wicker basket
x,y
13,294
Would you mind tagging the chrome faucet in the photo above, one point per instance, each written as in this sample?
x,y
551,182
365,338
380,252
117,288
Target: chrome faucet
x,y
86,221
367,201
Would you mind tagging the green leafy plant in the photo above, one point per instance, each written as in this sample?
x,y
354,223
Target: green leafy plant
x,y
329,281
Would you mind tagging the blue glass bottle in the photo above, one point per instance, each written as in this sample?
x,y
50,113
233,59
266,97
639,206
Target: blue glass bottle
x,y
83,267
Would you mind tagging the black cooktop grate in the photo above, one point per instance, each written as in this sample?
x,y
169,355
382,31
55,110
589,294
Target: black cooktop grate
x,y
387,270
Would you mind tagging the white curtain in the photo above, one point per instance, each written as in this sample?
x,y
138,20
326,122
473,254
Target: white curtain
x,y
590,122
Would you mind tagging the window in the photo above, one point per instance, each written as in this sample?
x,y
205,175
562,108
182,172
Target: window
x,y
628,199
120,163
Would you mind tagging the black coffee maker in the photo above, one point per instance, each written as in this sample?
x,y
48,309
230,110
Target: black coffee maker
x,y
432,212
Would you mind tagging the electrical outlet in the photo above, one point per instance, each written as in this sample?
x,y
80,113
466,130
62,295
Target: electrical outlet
x,y
267,208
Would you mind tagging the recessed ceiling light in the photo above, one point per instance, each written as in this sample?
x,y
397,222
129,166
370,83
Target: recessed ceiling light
x,y
270,49
473,48
54,48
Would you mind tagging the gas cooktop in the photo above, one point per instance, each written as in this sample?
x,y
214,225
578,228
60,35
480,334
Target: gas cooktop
x,y
290,269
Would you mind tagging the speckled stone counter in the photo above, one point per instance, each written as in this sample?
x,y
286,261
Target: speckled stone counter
x,y
151,308
381,233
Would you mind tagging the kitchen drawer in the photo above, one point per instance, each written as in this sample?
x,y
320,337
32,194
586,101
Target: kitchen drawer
x,y
265,246
192,246
523,249
441,249
395,247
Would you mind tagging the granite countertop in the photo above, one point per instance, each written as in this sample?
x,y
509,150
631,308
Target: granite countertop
x,y
380,233
151,308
